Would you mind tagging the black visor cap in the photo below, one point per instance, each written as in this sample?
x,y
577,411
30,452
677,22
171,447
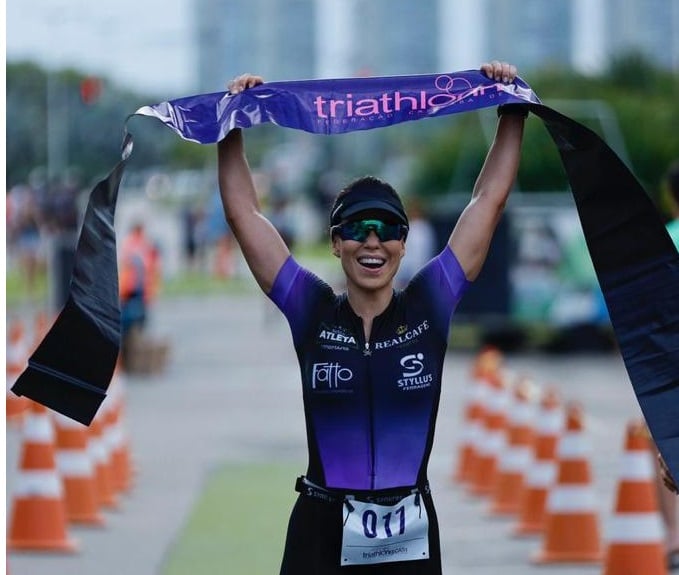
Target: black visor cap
x,y
368,203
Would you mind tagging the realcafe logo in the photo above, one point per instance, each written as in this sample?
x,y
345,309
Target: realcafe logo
x,y
404,335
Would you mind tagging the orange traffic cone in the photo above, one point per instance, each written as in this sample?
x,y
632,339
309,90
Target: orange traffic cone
x,y
493,438
16,361
541,471
636,533
102,463
486,362
516,457
38,521
571,524
121,458
473,419
76,466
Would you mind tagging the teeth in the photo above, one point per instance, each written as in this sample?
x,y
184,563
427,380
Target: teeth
x,y
371,261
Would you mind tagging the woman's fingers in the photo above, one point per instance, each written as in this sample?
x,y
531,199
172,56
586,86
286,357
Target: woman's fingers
x,y
243,82
499,71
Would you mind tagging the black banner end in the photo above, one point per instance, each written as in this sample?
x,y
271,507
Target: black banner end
x,y
72,367
60,395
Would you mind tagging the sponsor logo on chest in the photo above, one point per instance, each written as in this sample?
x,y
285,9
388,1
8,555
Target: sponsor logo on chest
x,y
331,377
403,336
412,375
336,337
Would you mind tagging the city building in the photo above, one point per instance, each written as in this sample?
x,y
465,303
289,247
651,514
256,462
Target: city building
x,y
285,39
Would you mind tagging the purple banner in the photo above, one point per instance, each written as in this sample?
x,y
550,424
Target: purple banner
x,y
633,255
336,106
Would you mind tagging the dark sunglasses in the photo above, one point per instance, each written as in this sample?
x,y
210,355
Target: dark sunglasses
x,y
360,230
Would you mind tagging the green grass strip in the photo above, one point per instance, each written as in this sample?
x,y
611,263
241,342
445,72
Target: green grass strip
x,y
238,525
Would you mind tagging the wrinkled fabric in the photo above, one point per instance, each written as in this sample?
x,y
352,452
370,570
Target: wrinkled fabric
x,y
336,106
636,263
72,367
637,266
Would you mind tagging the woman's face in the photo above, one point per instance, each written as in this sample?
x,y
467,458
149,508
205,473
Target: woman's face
x,y
369,265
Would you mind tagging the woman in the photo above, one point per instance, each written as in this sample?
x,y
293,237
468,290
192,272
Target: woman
x,y
370,358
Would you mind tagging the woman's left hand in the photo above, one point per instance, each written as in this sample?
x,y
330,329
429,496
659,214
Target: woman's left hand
x,y
499,71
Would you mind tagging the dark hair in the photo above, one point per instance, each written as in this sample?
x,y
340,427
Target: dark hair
x,y
367,183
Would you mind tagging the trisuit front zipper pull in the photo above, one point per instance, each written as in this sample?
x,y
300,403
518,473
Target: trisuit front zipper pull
x,y
366,349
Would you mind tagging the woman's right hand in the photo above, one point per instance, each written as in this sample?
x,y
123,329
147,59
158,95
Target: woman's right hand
x,y
244,81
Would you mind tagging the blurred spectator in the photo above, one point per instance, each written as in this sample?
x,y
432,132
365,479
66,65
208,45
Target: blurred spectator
x,y
61,211
280,215
217,237
191,242
24,232
421,243
139,279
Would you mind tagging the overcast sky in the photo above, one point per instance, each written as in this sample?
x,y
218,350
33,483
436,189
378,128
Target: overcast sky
x,y
144,45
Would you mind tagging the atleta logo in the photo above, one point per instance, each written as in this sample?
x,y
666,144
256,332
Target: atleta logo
x,y
330,376
336,334
403,336
413,366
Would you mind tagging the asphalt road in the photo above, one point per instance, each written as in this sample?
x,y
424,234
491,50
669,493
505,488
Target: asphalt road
x,y
232,367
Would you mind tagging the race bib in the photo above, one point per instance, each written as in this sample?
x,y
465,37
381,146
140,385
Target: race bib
x,y
381,534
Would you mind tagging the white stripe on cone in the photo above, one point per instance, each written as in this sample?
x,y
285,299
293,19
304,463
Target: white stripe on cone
x,y
494,443
541,474
74,463
38,484
550,422
522,414
98,449
516,458
571,499
572,446
636,466
636,528
38,429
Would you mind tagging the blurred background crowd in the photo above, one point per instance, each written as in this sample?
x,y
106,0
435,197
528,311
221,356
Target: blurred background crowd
x,y
605,63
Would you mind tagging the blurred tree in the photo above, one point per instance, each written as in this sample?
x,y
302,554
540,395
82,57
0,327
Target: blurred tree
x,y
93,133
446,155
643,99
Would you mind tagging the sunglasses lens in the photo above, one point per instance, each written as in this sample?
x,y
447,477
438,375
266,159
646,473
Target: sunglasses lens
x,y
359,231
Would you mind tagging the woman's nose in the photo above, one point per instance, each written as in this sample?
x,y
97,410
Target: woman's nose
x,y
372,238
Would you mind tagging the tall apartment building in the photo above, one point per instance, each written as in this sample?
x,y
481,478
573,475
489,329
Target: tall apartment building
x,y
284,39
274,38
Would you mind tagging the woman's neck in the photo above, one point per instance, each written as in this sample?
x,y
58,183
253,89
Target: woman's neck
x,y
369,304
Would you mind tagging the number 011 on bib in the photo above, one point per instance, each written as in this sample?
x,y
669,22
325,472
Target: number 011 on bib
x,y
381,534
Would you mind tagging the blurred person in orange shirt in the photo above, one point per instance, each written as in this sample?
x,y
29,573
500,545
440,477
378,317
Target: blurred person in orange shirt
x,y
139,272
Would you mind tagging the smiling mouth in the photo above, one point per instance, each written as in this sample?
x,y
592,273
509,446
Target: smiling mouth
x,y
372,263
